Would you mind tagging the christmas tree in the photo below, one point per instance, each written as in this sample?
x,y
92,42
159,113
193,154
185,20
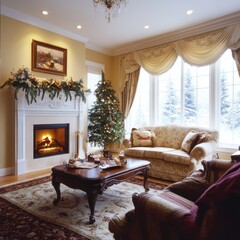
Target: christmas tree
x,y
105,119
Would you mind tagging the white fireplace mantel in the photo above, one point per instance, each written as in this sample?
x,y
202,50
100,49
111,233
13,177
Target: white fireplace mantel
x,y
45,111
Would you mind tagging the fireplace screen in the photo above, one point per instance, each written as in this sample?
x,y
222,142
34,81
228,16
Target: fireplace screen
x,y
50,139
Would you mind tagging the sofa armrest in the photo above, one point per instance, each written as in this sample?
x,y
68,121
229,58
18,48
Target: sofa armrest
x,y
153,217
127,143
202,150
163,210
214,169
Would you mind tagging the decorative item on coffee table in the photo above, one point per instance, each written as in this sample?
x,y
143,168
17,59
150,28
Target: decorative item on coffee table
x,y
109,163
122,158
75,163
105,161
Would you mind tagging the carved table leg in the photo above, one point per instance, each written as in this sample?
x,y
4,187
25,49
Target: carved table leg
x,y
146,172
92,197
56,185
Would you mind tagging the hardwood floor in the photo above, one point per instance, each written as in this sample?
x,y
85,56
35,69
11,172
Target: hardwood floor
x,y
15,179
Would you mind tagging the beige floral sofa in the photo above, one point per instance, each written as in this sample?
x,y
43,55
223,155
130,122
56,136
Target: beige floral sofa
x,y
173,150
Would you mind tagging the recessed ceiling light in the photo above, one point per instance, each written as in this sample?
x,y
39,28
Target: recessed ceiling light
x,y
189,12
146,27
79,27
44,12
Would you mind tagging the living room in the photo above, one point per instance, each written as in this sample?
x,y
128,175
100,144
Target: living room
x,y
17,36
78,67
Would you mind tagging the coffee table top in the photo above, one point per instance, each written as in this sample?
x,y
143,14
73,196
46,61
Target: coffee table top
x,y
97,173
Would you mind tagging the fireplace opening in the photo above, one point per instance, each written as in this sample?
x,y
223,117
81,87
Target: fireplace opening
x,y
50,139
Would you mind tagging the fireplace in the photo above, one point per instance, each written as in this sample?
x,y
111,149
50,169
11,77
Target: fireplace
x,y
50,139
64,118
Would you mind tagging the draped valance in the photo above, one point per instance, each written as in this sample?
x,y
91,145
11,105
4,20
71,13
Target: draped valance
x,y
198,50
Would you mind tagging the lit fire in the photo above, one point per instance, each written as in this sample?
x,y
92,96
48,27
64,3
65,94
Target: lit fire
x,y
47,136
48,144
47,139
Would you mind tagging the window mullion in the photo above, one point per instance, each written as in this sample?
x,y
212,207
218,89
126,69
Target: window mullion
x,y
152,103
214,102
182,92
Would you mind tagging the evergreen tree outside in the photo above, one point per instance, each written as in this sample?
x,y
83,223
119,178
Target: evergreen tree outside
x,y
225,105
234,116
171,111
190,109
140,118
105,119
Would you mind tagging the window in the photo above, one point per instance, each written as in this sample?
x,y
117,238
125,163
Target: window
x,y
228,101
207,96
93,77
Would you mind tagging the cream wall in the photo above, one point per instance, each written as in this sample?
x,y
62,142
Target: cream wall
x,y
104,59
16,38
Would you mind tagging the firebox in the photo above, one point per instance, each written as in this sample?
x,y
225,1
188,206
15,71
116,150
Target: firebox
x,y
50,139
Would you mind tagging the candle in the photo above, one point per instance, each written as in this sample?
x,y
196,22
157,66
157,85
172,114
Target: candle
x,y
77,143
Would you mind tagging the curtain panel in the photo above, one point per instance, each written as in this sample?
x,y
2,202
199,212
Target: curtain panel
x,y
129,91
199,50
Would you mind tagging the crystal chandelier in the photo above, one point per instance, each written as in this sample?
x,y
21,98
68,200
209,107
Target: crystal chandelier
x,y
112,7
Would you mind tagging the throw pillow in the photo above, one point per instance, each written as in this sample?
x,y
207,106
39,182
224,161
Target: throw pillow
x,y
190,188
203,137
141,138
190,141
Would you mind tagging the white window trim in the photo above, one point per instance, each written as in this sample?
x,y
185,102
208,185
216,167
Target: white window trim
x,y
93,67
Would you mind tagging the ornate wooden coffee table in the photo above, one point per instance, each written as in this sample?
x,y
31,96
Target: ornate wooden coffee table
x,y
94,181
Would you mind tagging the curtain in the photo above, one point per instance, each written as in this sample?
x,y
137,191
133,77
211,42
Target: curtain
x,y
129,91
157,60
236,57
130,70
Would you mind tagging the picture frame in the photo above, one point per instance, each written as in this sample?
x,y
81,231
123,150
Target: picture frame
x,y
48,58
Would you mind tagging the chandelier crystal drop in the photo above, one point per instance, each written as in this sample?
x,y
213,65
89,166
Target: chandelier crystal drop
x,y
112,7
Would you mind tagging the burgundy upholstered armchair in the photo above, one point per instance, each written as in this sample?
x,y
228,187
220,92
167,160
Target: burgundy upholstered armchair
x,y
201,207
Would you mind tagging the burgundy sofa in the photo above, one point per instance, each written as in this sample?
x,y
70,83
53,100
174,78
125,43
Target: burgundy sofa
x,y
201,207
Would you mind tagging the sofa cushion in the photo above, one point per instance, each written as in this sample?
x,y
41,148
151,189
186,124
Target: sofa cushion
x,y
134,152
156,152
141,138
169,136
190,141
177,156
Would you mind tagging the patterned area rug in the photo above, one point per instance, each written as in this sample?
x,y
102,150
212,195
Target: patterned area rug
x,y
27,211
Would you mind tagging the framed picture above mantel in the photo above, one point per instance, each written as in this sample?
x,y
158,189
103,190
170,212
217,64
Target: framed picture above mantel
x,y
48,58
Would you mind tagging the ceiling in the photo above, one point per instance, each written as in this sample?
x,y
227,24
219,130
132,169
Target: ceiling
x,y
127,29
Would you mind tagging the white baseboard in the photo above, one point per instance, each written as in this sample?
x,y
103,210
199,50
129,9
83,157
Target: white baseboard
x,y
6,171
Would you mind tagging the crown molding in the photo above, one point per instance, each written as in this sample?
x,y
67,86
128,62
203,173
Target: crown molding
x,y
9,12
98,49
215,24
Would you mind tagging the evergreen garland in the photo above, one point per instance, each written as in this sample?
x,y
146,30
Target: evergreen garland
x,y
105,119
34,87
